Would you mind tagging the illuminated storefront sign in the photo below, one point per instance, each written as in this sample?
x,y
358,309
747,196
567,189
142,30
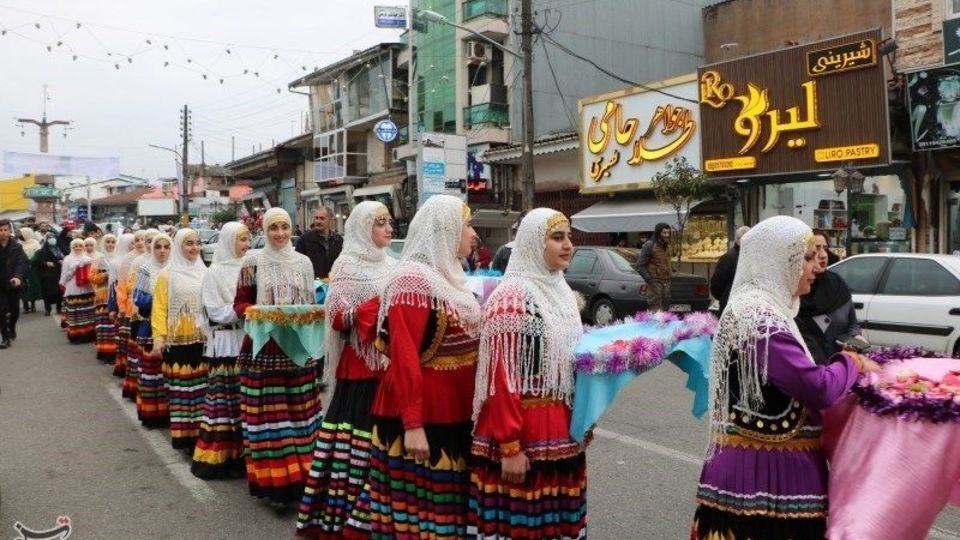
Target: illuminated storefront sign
x,y
795,110
628,136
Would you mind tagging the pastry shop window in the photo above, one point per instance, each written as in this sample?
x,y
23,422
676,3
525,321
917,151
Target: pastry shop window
x,y
705,235
876,222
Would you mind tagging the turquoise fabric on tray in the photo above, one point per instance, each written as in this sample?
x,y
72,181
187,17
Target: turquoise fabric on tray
x,y
300,342
594,393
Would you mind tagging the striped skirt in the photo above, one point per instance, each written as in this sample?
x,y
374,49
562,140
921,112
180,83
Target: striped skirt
x,y
79,318
131,373
412,500
281,411
106,332
341,464
185,373
122,344
219,449
153,409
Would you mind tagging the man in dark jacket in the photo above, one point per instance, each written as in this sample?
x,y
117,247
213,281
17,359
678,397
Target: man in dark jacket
x,y
722,279
13,274
321,244
654,267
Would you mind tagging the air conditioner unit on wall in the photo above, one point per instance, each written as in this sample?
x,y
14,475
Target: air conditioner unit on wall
x,y
478,52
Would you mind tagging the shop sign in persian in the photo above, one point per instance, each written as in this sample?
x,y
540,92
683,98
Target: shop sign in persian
x,y
797,110
935,108
628,136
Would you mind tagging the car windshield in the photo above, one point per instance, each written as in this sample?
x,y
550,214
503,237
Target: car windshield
x,y
207,234
625,260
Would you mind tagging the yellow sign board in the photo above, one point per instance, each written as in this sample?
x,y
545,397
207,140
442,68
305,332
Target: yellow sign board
x,y
846,153
730,164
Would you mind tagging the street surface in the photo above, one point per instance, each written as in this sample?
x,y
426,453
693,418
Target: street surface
x,y
69,446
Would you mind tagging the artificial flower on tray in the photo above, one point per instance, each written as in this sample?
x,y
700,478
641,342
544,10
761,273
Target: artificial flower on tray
x,y
915,385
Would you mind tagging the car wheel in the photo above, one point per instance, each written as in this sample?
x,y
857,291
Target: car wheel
x,y
603,312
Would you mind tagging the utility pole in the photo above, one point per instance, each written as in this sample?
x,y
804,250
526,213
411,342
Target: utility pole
x,y
185,182
43,124
526,50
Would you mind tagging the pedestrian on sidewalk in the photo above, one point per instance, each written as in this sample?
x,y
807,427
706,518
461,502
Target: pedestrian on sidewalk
x,y
177,320
765,475
31,289
321,244
429,330
280,404
13,274
653,265
153,407
352,362
529,477
219,450
722,279
78,316
49,264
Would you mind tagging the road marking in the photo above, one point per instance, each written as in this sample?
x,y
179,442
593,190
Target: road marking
x,y
935,533
648,446
172,459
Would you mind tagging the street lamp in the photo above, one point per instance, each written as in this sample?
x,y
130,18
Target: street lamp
x,y
184,214
845,179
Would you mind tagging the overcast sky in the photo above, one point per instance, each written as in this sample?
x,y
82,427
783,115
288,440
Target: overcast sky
x,y
118,112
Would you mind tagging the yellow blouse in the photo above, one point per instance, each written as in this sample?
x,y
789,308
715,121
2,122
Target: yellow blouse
x,y
185,331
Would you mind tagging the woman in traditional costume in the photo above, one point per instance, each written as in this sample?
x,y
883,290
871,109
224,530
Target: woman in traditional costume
x,y
280,400
153,408
529,476
49,265
219,450
31,291
429,330
765,475
105,331
126,364
78,315
342,455
124,245
178,322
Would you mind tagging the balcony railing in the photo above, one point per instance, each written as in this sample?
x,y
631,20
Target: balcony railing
x,y
473,9
486,113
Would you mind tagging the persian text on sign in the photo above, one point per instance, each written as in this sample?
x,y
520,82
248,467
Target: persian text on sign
x,y
841,58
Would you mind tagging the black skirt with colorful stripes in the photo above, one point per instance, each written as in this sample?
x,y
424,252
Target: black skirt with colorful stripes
x,y
185,374
219,449
106,332
281,411
131,371
341,464
410,499
123,346
79,319
153,409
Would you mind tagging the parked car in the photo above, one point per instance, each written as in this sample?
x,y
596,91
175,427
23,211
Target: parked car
x,y
257,243
208,247
608,279
906,298
396,246
207,234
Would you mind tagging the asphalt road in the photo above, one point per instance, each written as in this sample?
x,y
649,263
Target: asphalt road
x,y
69,446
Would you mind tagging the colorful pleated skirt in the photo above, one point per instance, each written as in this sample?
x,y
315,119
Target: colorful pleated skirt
x,y
219,449
153,409
551,503
106,332
412,500
185,374
122,344
281,412
131,372
341,464
79,318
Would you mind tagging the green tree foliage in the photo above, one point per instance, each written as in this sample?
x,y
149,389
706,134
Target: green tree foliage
x,y
680,185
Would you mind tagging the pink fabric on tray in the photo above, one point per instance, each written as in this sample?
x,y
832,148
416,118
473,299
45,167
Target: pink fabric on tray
x,y
889,477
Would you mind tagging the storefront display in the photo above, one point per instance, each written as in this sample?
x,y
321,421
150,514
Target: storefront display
x,y
704,238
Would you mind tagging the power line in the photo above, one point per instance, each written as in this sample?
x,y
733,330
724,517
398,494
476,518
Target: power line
x,y
563,99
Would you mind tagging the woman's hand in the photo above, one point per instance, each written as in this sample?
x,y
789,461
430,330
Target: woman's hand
x,y
514,469
415,441
864,364
157,348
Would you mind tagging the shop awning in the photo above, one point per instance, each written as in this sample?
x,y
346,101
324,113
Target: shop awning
x,y
494,218
623,215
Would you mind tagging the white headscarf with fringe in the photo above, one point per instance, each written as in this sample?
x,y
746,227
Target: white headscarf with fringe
x,y
124,245
149,269
358,275
220,281
762,302
284,276
531,321
184,281
429,274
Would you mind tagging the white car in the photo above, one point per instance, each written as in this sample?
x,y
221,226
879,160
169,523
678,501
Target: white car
x,y
906,298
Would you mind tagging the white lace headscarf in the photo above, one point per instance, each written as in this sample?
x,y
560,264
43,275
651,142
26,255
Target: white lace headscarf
x,y
130,261
283,276
149,269
184,280
430,256
220,281
30,243
72,260
145,256
96,256
531,321
358,275
762,302
124,247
